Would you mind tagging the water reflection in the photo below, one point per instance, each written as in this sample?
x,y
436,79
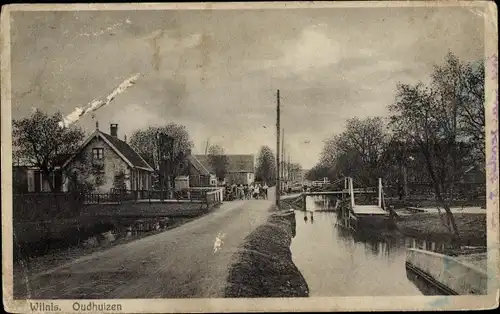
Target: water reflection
x,y
337,262
322,203
422,284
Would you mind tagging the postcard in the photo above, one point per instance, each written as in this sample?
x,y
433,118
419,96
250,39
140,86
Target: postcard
x,y
249,157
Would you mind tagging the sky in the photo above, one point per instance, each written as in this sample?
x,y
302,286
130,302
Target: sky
x,y
217,71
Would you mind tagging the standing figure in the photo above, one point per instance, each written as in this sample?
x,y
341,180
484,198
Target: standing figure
x,y
245,191
241,194
264,189
250,191
256,191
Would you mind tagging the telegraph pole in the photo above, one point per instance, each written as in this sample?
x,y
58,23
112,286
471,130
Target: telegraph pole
x,y
278,182
160,162
289,168
283,158
206,147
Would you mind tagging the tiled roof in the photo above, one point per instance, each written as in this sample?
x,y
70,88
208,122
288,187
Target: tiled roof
x,y
198,165
237,163
127,151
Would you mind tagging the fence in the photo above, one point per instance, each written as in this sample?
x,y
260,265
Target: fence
x,y
215,197
46,206
426,190
103,198
198,194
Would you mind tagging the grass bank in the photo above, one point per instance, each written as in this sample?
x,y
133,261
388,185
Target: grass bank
x,y
265,267
426,202
293,203
429,226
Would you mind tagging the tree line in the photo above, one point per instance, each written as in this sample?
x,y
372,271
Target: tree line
x,y
434,134
41,142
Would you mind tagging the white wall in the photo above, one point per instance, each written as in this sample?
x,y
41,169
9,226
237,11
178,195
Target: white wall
x,y
454,274
250,178
30,177
113,164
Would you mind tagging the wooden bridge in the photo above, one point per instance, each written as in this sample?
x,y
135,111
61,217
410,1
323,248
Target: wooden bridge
x,y
354,215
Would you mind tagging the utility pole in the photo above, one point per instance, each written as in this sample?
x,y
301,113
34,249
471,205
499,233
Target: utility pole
x,y
283,159
171,171
160,163
278,183
289,168
206,147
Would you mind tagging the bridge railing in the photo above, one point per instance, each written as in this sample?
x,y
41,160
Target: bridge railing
x,y
214,197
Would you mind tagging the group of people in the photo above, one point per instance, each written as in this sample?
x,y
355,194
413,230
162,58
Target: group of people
x,y
247,191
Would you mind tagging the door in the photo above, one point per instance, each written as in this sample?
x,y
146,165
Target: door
x,y
31,180
137,180
38,183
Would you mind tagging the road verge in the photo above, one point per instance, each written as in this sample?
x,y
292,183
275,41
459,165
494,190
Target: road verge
x,y
264,266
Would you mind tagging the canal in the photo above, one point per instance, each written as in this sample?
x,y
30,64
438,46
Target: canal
x,y
336,262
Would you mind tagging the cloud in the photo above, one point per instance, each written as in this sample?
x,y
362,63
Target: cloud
x,y
134,116
314,49
216,72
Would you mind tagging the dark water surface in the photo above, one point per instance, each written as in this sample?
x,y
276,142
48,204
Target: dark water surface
x,y
336,262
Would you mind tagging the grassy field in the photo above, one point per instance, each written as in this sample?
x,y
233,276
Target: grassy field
x,y
420,202
471,228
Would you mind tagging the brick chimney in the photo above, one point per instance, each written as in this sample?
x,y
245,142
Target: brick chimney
x,y
113,129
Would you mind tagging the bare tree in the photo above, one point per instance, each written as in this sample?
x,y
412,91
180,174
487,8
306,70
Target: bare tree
x,y
295,169
40,141
218,160
266,168
427,118
318,172
445,121
356,152
459,88
146,144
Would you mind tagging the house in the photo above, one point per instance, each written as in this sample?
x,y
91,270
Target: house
x,y
115,164
28,178
240,169
196,173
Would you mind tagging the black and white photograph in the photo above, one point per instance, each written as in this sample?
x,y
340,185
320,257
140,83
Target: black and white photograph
x,y
220,157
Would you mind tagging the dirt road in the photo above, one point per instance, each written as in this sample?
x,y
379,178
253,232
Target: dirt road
x,y
179,263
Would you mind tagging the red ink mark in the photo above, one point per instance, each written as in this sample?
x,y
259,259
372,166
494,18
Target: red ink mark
x,y
495,107
492,195
494,61
494,137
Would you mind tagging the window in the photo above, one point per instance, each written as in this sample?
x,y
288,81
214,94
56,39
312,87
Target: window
x,y
98,153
